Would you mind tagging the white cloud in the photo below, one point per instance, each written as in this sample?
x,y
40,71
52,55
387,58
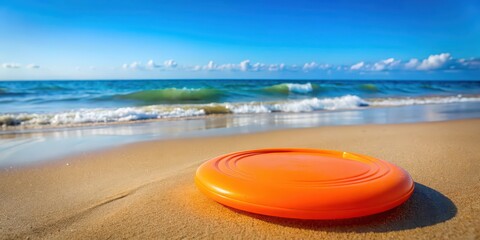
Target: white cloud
x,y
276,67
434,62
210,66
293,68
228,67
197,68
378,67
437,62
388,61
245,65
472,63
326,66
443,61
242,66
151,64
135,65
170,63
33,66
357,66
387,64
412,64
11,65
310,66
259,67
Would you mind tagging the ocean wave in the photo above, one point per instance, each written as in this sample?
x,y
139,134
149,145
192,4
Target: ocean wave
x,y
296,106
6,93
432,87
369,87
127,114
286,88
49,88
174,95
99,115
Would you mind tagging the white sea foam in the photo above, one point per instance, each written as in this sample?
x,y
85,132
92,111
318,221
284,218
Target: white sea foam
x,y
104,115
99,116
296,106
421,101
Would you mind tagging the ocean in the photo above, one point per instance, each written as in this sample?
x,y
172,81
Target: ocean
x,y
45,120
67,103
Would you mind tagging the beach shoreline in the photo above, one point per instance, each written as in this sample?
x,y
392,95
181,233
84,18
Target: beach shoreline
x,y
25,147
146,189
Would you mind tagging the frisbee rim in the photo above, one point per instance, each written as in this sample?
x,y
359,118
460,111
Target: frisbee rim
x,y
287,212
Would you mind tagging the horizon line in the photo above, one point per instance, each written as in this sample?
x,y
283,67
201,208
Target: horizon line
x,y
239,79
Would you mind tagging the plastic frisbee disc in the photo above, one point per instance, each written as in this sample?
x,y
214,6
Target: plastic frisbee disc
x,y
304,183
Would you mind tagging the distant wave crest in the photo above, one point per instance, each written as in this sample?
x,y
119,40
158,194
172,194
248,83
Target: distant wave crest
x,y
286,88
174,95
369,87
386,102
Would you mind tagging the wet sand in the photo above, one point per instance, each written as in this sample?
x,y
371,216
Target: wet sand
x,y
147,190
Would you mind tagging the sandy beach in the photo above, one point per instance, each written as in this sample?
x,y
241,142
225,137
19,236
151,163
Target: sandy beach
x,y
146,190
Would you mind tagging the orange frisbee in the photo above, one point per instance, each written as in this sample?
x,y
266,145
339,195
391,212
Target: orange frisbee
x,y
304,183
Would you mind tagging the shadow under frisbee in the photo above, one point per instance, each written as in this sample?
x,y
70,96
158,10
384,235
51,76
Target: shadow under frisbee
x,y
425,207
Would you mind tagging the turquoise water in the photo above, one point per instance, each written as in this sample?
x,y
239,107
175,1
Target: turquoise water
x,y
23,147
29,110
39,103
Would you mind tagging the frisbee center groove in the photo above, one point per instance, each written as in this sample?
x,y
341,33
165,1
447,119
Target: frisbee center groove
x,y
314,169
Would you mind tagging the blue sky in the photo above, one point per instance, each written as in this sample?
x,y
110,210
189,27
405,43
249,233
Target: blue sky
x,y
240,39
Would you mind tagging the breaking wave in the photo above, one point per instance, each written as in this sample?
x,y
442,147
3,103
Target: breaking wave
x,y
127,114
286,88
174,95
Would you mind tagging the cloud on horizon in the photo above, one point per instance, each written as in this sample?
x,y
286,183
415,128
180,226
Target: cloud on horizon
x,y
167,64
33,66
435,62
11,65
18,66
357,66
135,65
